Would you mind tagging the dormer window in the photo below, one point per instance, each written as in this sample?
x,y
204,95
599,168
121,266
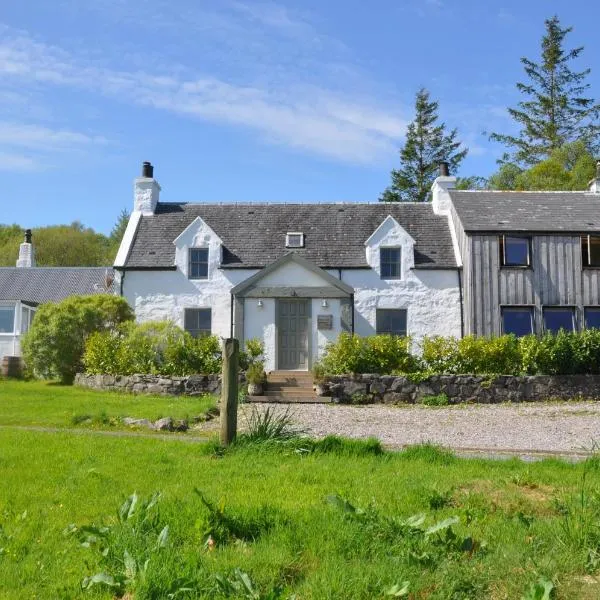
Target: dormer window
x,y
198,263
390,262
294,239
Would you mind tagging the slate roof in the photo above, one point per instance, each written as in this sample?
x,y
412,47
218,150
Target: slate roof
x,y
44,284
253,235
576,212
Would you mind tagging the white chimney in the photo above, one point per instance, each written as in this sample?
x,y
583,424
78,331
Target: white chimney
x,y
440,191
594,184
26,253
146,191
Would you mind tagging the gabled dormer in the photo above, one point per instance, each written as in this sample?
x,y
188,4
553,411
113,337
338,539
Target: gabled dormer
x,y
390,250
198,250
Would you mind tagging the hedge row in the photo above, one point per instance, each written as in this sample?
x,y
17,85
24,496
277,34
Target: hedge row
x,y
155,348
560,354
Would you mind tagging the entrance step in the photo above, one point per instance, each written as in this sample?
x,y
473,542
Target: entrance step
x,y
290,399
293,387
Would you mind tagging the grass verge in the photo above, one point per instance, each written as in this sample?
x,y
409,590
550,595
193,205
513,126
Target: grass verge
x,y
99,518
52,405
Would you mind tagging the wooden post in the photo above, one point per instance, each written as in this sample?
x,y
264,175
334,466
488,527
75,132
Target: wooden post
x,y
229,391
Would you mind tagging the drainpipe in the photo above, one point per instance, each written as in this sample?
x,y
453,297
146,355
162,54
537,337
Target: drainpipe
x,y
460,295
352,313
121,282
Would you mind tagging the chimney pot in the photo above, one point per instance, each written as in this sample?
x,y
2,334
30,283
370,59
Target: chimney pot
x,y
444,169
147,170
28,236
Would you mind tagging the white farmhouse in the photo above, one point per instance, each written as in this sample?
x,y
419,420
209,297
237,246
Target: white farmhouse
x,y
293,275
24,287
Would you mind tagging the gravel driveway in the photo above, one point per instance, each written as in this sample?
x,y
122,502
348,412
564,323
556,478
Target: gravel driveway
x,y
548,428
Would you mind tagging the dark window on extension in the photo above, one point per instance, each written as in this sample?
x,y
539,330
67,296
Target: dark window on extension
x,y
198,268
515,251
590,250
592,317
559,317
517,320
198,321
390,263
391,321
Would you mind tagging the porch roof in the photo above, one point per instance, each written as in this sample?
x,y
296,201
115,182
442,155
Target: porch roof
x,y
249,287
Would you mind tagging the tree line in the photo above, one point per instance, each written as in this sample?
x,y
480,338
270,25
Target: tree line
x,y
71,245
558,132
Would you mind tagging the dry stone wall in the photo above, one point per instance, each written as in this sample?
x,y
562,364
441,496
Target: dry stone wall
x,y
193,385
391,389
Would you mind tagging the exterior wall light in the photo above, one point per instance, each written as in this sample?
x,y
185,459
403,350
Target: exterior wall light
x,y
259,303
324,303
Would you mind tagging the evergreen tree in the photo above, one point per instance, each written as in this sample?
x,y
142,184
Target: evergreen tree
x,y
555,111
427,145
118,231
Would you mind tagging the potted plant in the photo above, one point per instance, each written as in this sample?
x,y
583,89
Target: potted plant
x,y
256,378
319,384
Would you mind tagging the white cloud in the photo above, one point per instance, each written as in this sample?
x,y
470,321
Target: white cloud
x,y
306,117
17,162
36,137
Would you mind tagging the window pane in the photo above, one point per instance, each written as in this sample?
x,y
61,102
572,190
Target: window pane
x,y
198,263
391,321
517,321
197,321
594,251
7,319
558,318
585,257
592,318
389,259
25,312
516,251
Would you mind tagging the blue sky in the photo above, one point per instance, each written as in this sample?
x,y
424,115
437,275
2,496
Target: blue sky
x,y
237,100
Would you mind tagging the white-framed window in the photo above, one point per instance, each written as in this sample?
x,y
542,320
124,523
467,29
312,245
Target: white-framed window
x,y
198,263
590,250
390,263
294,239
7,319
517,320
198,321
592,317
558,317
515,251
27,314
391,321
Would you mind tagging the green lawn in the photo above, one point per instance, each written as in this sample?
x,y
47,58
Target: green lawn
x,y
54,405
296,520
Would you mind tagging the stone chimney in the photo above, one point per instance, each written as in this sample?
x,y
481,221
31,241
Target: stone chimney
x,y
146,191
440,196
26,253
594,184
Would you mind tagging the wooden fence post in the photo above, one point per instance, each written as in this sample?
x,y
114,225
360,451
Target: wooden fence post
x,y
229,390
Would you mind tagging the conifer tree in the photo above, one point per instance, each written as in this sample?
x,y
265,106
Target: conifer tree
x,y
427,145
555,110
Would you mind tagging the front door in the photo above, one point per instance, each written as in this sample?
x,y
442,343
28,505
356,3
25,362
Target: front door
x,y
292,328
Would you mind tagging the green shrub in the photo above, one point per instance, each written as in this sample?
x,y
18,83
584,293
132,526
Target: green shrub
x,y
473,355
373,354
439,400
157,348
255,373
54,345
253,352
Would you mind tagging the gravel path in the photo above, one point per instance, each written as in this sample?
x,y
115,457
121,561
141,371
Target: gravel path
x,y
518,428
